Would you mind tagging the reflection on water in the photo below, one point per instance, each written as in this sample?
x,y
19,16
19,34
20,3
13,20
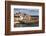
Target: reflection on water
x,y
26,25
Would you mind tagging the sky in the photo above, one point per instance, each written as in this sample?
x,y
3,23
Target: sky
x,y
33,12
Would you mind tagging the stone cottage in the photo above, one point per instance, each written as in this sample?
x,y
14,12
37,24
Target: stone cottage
x,y
22,17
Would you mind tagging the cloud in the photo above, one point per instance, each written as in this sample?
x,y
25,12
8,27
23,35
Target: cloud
x,y
34,12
